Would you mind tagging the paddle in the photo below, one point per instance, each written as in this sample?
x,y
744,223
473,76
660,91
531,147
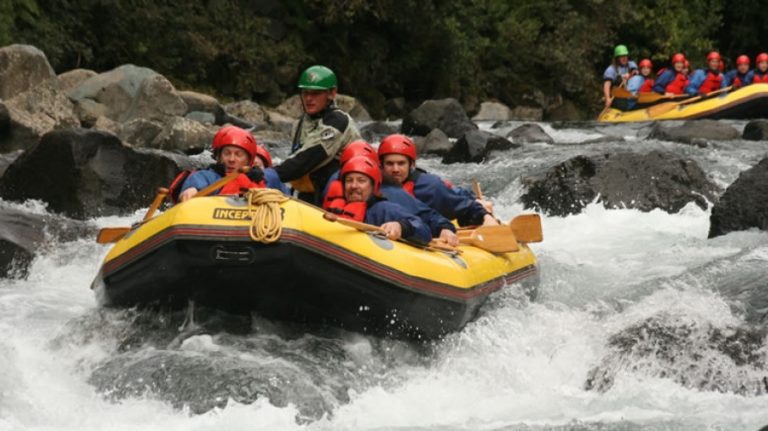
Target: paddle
x,y
621,93
645,98
113,234
527,228
496,239
663,108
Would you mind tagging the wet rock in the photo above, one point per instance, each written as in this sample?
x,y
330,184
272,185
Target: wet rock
x,y
291,107
373,132
475,145
445,114
205,118
603,140
88,173
695,132
756,130
8,158
31,114
565,111
24,234
140,132
184,135
526,113
528,133
248,111
492,111
202,103
744,205
621,180
22,68
272,138
68,81
353,107
395,107
280,122
436,142
695,355
131,92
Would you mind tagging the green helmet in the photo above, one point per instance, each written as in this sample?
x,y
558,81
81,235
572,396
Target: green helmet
x,y
620,50
317,78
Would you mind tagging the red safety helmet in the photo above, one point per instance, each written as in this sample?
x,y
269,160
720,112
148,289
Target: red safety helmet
x,y
356,149
237,137
363,165
761,57
646,63
743,59
264,155
678,58
713,56
397,144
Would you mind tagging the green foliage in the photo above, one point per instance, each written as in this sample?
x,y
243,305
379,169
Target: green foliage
x,y
521,52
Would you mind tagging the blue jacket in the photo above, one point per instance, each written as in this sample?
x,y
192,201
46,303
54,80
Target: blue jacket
x,y
273,181
697,79
666,77
205,177
432,218
634,84
380,211
745,79
431,190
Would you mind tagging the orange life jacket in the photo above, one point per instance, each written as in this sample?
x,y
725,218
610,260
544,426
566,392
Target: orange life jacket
x,y
240,184
760,79
711,83
335,202
677,86
647,86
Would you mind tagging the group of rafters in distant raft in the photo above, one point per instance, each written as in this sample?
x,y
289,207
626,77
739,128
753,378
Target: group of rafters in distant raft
x,y
677,79
331,166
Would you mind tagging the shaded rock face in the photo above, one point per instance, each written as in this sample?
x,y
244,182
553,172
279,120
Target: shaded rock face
x,y
624,180
131,92
199,102
529,133
756,130
695,132
695,355
353,107
445,114
247,111
377,130
30,114
492,111
22,67
83,173
8,158
526,113
69,80
436,142
184,135
744,204
475,145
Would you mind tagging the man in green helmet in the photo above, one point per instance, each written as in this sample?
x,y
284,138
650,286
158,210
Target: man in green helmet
x,y
319,137
618,72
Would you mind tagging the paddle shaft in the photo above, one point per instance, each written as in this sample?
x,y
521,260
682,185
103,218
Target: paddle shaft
x,y
162,192
668,106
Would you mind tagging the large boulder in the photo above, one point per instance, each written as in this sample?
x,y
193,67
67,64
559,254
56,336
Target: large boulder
x,y
565,111
70,80
695,132
140,132
744,204
246,112
373,132
621,180
474,146
199,102
756,130
84,173
22,67
8,158
23,235
526,113
131,92
30,114
445,114
492,111
291,107
353,107
436,142
184,135
528,133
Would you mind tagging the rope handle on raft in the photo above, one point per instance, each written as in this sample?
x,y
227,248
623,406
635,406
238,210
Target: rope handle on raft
x,y
266,218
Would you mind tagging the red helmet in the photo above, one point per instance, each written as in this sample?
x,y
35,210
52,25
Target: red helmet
x,y
397,144
761,57
356,149
713,56
743,59
686,65
363,165
235,136
264,155
646,63
678,58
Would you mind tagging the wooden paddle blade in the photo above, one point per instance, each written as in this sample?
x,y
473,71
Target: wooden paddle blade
x,y
527,228
111,234
622,93
662,108
496,239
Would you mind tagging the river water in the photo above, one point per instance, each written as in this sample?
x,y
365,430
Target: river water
x,y
641,324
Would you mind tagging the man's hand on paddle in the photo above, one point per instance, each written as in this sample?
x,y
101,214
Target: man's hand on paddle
x,y
449,237
393,230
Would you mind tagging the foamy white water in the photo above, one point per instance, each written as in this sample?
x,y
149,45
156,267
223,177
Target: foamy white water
x,y
65,365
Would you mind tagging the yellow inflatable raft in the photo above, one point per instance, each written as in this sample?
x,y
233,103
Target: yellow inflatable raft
x,y
745,103
317,272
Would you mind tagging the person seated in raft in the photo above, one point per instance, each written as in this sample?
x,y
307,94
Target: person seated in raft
x,y
706,81
233,148
642,82
263,161
741,76
618,72
687,69
319,136
362,202
439,226
672,82
398,158
760,75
